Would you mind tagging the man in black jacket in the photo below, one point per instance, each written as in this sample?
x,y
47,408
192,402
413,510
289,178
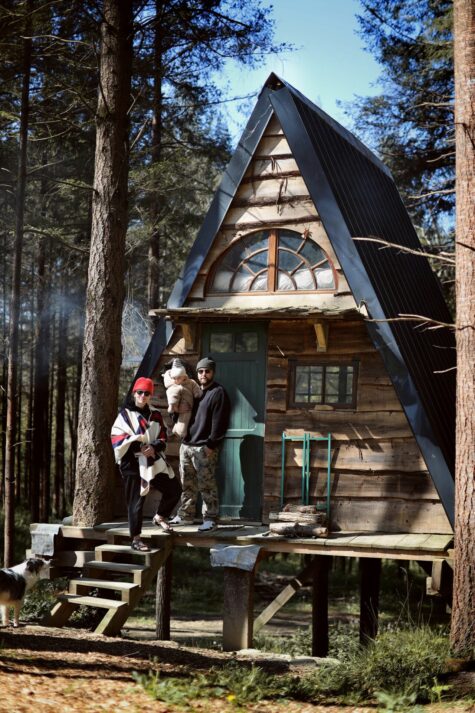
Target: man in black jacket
x,y
200,449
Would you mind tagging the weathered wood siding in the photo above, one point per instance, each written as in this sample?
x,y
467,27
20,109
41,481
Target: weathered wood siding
x,y
272,194
379,480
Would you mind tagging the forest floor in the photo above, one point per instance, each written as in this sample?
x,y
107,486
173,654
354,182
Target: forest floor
x,y
70,670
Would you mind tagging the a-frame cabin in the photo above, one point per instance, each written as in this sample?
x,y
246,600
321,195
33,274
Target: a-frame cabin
x,y
315,329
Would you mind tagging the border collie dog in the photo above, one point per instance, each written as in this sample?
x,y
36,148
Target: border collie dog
x,y
16,582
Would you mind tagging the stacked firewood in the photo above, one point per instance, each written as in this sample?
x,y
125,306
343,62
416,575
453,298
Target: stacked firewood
x,y
299,521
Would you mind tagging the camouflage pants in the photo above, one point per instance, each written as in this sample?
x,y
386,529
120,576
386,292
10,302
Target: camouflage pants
x,y
197,476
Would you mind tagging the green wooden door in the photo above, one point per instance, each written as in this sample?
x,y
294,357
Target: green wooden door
x,y
240,353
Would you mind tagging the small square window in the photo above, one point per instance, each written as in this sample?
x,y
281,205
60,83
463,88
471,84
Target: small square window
x,y
330,384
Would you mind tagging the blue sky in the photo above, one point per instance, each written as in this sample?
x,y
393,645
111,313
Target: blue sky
x,y
328,64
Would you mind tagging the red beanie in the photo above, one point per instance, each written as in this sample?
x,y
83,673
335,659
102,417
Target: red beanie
x,y
143,384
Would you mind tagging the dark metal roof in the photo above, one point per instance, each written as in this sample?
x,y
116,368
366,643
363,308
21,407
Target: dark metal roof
x,y
355,196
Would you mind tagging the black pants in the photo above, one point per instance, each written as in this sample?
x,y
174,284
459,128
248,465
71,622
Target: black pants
x,y
170,489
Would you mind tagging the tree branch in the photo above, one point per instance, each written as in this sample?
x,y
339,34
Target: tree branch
x,y
436,324
55,236
420,253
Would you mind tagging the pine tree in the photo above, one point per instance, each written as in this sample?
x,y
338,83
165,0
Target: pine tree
x,y
409,122
105,291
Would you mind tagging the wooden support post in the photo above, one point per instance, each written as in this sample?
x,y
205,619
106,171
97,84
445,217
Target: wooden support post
x,y
287,593
238,609
370,575
163,599
321,567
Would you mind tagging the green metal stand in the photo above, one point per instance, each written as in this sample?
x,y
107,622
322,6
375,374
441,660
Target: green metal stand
x,y
306,439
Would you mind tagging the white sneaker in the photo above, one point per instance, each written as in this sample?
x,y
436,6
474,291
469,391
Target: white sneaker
x,y
177,521
207,525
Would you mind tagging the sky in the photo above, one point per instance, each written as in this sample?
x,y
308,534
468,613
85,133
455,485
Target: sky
x,y
328,64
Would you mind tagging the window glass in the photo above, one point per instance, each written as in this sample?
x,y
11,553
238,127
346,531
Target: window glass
x,y
300,263
312,252
257,260
331,384
316,384
221,342
254,242
288,261
222,281
308,384
289,239
246,342
304,279
241,281
324,277
260,283
285,282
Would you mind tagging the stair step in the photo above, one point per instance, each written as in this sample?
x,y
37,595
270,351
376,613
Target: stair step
x,y
123,550
117,566
91,601
102,584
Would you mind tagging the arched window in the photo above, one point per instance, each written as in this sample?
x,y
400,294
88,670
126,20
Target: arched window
x,y
273,261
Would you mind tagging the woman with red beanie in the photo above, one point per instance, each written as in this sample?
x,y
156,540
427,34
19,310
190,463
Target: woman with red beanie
x,y
139,439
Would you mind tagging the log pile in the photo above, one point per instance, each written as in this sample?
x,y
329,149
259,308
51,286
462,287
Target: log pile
x,y
298,521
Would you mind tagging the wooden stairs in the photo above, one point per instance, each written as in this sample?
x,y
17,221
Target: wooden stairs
x,y
115,581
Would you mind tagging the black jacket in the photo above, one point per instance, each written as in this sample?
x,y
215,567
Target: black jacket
x,y
210,418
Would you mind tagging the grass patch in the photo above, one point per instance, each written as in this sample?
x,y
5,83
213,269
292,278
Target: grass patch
x,y
398,669
232,682
404,663
40,600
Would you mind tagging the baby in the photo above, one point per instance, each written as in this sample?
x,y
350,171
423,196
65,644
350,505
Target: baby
x,y
181,392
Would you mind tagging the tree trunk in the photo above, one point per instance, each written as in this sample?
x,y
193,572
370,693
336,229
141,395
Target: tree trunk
x,y
105,291
61,356
13,331
153,283
463,609
41,431
4,366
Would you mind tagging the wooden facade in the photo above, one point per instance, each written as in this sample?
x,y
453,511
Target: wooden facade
x,y
379,479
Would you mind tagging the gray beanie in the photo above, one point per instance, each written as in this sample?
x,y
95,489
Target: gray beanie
x,y
206,363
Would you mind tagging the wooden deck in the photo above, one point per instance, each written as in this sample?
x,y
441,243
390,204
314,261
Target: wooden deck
x,y
344,544
98,550
74,546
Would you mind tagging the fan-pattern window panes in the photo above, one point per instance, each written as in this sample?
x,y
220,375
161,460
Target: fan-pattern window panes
x,y
270,261
243,268
317,384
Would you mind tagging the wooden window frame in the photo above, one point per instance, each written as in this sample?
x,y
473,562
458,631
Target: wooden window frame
x,y
272,271
293,403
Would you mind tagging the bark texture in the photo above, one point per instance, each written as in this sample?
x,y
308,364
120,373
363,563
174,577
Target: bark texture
x,y
101,357
153,282
14,315
463,610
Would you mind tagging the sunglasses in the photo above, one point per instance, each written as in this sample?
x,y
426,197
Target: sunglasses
x,y
143,393
205,371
